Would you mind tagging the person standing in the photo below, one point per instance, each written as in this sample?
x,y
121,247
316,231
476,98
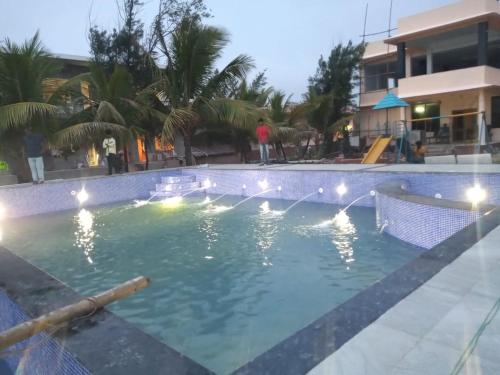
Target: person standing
x,y
263,132
109,146
33,143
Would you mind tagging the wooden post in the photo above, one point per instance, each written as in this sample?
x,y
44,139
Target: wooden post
x,y
65,314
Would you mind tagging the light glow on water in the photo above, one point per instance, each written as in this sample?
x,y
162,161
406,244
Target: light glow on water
x,y
172,202
85,234
264,207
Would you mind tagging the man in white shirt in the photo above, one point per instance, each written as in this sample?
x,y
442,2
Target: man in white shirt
x,y
109,146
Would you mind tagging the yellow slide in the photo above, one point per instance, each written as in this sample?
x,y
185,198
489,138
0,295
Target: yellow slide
x,y
376,150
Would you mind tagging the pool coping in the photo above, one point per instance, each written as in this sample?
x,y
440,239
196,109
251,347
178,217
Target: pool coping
x,y
398,189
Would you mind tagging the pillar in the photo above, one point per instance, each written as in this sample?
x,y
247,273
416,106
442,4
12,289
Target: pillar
x,y
482,45
401,62
429,61
481,124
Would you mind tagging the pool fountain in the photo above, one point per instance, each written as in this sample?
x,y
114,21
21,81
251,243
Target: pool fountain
x,y
320,191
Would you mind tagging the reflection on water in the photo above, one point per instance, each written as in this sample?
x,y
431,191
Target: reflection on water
x,y
208,228
265,231
85,234
344,236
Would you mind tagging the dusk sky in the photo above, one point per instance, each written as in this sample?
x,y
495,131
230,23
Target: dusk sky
x,y
285,37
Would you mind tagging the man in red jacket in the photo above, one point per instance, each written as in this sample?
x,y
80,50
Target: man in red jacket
x,y
262,132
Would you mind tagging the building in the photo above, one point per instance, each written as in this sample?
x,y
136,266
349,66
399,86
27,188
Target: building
x,y
446,64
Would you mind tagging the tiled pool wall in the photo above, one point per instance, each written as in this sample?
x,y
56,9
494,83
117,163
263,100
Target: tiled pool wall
x,y
297,184
416,223
46,356
53,196
420,224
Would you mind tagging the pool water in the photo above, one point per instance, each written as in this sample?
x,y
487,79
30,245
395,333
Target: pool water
x,y
227,285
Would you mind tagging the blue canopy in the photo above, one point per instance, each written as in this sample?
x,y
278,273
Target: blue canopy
x,y
391,101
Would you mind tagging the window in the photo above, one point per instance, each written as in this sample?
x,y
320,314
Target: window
x,y
418,66
494,54
429,113
377,75
495,112
460,58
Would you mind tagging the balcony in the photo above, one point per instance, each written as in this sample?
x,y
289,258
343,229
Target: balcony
x,y
447,82
369,99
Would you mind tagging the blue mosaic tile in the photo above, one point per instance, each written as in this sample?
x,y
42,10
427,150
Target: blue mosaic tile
x,y
45,355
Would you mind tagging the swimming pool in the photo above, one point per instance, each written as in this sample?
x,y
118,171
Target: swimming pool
x,y
227,284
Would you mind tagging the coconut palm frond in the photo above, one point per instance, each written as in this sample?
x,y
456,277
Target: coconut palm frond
x,y
84,132
284,134
237,113
177,119
236,69
19,114
107,112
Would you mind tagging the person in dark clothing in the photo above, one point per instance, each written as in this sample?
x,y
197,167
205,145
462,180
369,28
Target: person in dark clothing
x,y
33,145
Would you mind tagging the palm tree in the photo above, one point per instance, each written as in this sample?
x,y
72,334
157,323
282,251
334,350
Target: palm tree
x,y
23,68
110,105
190,89
290,122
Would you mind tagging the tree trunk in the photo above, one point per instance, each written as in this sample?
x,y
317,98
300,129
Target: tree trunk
x,y
188,154
146,152
283,151
125,158
306,148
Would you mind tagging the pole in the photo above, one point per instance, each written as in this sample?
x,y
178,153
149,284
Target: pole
x,y
390,20
64,314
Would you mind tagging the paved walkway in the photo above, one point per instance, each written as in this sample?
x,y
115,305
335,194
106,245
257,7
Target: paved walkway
x,y
429,331
414,168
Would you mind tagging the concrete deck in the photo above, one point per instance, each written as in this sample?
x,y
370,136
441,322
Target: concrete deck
x,y
411,168
429,331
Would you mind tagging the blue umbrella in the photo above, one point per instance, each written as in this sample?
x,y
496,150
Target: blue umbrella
x,y
391,101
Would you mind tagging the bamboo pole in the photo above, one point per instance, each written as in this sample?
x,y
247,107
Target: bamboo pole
x,y
449,116
65,314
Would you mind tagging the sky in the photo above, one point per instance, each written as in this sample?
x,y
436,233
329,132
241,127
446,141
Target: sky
x,y
284,37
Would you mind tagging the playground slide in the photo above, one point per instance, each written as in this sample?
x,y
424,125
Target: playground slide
x,y
376,150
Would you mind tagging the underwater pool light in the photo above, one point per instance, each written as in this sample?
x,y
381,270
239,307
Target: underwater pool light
x,y
373,193
341,189
321,191
476,194
264,185
279,188
438,196
244,187
214,185
82,196
207,183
